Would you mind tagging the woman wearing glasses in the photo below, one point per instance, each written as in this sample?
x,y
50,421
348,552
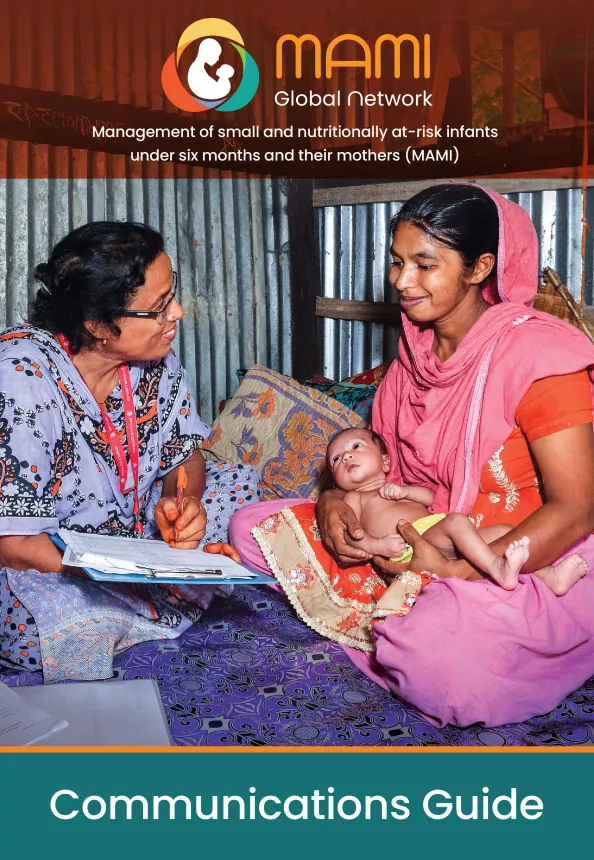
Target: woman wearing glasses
x,y
95,418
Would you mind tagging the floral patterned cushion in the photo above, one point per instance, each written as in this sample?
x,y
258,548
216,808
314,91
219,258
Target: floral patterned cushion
x,y
357,392
281,428
359,398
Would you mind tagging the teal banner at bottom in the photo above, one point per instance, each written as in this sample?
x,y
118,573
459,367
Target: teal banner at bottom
x,y
304,804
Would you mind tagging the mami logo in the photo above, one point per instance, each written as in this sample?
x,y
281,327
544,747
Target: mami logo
x,y
208,83
370,61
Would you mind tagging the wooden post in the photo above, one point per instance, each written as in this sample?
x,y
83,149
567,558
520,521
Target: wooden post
x,y
305,279
509,80
465,90
458,105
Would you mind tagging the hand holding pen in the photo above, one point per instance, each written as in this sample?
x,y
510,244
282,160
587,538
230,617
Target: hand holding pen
x,y
182,481
181,519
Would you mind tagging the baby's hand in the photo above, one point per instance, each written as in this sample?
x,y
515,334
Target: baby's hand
x,y
393,492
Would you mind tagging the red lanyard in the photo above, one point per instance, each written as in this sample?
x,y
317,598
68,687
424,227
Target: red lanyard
x,y
114,439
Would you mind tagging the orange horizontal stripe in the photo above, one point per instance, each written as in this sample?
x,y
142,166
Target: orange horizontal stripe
x,y
256,751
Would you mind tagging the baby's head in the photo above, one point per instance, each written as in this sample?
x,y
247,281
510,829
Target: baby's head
x,y
225,72
356,458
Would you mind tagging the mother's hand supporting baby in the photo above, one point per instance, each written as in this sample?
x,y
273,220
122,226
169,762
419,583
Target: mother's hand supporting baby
x,y
340,529
425,556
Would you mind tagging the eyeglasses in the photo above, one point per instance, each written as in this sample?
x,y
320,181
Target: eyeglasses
x,y
159,315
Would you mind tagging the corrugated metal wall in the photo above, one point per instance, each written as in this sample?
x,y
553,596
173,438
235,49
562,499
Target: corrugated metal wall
x,y
115,50
227,238
354,255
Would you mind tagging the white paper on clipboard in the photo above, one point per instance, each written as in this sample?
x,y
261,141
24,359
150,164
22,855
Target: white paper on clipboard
x,y
131,555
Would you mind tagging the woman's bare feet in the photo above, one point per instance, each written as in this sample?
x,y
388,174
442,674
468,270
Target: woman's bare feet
x,y
505,570
560,577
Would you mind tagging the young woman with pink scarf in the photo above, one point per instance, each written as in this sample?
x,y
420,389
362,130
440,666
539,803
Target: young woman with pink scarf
x,y
489,404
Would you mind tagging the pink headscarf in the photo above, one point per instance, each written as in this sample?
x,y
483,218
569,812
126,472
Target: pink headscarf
x,y
442,421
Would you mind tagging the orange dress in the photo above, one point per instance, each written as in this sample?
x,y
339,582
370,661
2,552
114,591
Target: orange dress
x,y
510,489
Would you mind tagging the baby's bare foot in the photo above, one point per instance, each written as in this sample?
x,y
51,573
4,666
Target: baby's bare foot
x,y
561,577
393,546
505,571
389,546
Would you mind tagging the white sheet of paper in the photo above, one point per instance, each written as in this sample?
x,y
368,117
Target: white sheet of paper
x,y
154,554
99,562
22,723
104,713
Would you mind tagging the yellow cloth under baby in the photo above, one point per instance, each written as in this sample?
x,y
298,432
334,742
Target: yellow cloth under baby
x,y
421,526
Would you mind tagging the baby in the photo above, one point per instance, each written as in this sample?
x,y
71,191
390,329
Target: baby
x,y
359,463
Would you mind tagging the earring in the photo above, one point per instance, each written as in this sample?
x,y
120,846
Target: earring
x,y
104,341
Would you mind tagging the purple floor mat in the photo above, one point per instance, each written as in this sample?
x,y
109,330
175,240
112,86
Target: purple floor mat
x,y
252,674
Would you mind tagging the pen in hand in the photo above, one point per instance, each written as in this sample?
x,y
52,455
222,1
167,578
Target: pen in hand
x,y
182,480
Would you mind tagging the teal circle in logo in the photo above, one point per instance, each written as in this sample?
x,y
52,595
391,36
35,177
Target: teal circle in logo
x,y
248,85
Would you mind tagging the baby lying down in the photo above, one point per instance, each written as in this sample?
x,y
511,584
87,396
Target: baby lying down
x,y
359,463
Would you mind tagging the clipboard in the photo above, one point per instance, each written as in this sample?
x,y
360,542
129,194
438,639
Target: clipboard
x,y
163,579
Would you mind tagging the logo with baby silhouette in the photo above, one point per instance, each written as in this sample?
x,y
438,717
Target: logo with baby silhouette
x,y
210,81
